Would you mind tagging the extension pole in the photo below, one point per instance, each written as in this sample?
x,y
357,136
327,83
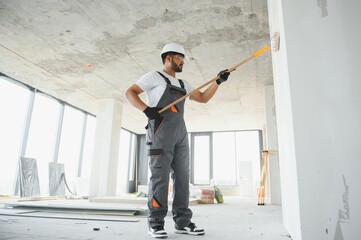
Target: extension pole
x,y
256,54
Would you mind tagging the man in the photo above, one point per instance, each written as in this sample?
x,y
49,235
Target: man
x,y
167,139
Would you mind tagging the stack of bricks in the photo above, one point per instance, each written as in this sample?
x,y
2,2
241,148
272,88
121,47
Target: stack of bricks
x,y
207,196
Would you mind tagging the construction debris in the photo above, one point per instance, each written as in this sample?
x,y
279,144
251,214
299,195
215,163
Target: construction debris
x,y
218,194
207,196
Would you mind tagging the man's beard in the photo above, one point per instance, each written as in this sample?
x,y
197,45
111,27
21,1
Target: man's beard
x,y
175,67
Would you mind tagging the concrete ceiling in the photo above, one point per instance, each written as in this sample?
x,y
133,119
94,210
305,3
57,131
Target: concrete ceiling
x,y
82,51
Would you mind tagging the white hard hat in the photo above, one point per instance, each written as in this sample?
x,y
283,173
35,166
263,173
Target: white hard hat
x,y
173,47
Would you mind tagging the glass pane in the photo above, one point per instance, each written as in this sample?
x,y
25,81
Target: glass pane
x,y
132,158
41,142
224,158
13,107
123,163
70,143
248,159
88,147
201,160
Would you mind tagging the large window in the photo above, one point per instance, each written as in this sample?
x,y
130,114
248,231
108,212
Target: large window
x,y
248,161
70,142
36,125
88,147
201,158
228,158
42,136
224,155
13,107
127,162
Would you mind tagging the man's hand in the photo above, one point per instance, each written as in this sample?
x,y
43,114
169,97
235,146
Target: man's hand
x,y
223,76
152,112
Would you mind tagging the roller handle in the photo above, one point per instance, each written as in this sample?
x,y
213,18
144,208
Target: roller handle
x,y
261,51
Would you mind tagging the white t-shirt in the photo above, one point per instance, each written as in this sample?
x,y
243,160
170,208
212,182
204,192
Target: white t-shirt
x,y
154,85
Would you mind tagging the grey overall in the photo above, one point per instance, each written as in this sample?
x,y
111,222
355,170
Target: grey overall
x,y
167,141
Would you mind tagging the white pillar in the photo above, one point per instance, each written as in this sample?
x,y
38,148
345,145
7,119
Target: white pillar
x,y
272,146
285,134
317,87
103,179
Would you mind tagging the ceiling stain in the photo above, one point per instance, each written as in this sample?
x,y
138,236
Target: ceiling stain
x,y
146,22
170,16
234,11
111,48
237,34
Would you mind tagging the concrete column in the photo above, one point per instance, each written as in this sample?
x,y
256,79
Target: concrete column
x,y
272,146
103,177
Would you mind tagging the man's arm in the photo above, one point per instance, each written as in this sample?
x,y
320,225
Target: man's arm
x,y
132,94
204,97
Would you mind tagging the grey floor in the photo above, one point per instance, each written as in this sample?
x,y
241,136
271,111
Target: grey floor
x,y
237,218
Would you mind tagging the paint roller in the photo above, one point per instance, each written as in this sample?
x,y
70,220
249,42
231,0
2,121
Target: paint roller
x,y
256,54
275,41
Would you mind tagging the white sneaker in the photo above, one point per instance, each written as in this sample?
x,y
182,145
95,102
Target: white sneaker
x,y
191,229
157,232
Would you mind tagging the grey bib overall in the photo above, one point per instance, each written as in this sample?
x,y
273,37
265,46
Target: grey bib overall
x,y
167,141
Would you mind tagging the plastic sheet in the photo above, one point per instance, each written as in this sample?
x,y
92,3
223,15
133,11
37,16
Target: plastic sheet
x,y
56,179
29,178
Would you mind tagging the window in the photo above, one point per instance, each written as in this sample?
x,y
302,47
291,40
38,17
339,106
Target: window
x,y
123,163
35,125
42,136
13,107
88,147
248,160
70,142
229,158
132,158
224,158
201,159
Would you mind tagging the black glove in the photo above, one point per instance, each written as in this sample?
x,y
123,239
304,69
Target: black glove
x,y
152,112
223,76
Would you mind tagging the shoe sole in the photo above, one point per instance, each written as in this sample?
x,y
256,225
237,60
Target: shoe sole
x,y
156,236
189,233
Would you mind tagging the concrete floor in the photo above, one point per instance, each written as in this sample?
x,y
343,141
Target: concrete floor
x,y
237,218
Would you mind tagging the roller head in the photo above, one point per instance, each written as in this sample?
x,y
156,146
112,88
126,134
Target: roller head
x,y
275,42
261,51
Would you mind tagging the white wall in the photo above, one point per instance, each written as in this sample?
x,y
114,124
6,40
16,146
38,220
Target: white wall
x,y
287,161
272,147
317,75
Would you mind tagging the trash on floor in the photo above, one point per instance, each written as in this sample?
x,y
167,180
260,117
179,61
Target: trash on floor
x,y
207,196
